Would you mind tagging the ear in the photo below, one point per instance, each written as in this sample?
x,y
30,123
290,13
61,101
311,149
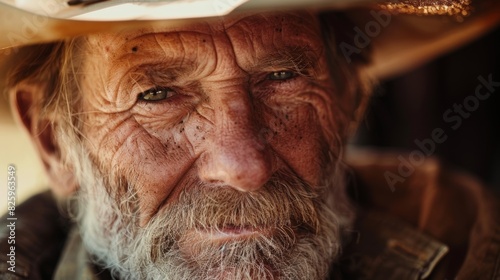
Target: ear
x,y
26,105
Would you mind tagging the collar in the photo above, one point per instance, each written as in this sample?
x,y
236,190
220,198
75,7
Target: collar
x,y
387,248
75,262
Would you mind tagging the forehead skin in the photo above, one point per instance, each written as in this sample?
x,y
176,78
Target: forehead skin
x,y
227,124
279,26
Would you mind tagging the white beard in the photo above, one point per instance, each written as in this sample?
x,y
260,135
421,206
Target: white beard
x,y
302,242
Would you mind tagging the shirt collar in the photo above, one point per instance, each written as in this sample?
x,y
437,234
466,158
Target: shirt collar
x,y
75,262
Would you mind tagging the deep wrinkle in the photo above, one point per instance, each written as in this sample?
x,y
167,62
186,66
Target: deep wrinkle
x,y
222,87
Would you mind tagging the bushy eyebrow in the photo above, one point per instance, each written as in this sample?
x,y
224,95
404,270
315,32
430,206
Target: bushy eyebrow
x,y
159,73
300,59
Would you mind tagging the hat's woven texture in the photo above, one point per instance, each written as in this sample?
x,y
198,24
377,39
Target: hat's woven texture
x,y
429,7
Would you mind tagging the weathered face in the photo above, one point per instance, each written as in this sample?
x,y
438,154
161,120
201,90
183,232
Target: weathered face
x,y
224,105
228,103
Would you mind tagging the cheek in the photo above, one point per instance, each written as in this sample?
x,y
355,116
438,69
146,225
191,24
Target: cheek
x,y
294,134
300,125
150,163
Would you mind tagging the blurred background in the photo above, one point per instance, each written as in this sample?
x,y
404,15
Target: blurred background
x,y
16,149
410,106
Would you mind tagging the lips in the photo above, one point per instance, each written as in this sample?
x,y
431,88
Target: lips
x,y
233,232
197,242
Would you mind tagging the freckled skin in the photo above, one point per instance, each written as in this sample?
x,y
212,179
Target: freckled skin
x,y
226,123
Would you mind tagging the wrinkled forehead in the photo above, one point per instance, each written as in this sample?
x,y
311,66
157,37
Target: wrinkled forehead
x,y
298,28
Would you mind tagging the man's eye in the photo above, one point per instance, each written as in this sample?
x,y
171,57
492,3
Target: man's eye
x,y
281,75
156,94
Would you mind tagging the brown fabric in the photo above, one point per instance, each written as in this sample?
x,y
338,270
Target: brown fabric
x,y
385,248
449,206
40,232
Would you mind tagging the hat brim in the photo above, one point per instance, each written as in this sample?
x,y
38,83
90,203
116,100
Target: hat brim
x,y
411,41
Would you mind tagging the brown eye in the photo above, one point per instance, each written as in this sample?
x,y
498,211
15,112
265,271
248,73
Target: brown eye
x,y
156,94
281,75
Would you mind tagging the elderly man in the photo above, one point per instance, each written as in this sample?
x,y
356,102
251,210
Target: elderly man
x,y
210,150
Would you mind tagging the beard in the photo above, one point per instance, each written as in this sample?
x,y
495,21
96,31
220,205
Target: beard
x,y
293,230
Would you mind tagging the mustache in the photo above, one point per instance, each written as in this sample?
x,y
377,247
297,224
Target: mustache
x,y
285,208
285,200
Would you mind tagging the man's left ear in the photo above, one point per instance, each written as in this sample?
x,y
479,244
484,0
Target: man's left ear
x,y
26,105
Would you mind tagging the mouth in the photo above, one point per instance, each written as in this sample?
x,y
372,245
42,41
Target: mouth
x,y
199,240
234,244
233,232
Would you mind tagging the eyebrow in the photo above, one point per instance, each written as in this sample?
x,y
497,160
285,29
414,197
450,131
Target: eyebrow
x,y
159,73
300,59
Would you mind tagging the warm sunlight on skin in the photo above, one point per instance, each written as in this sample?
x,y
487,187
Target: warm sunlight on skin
x,y
228,102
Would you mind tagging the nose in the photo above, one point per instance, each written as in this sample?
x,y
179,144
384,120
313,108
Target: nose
x,y
235,155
